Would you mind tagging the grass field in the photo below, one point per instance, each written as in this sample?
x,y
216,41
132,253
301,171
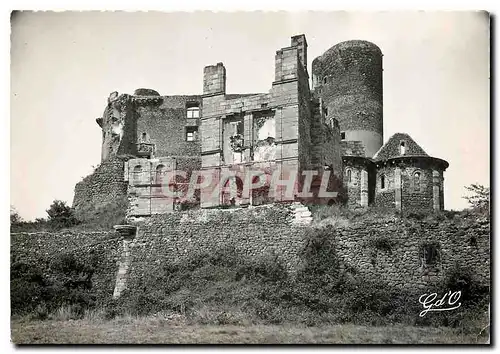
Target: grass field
x,y
162,331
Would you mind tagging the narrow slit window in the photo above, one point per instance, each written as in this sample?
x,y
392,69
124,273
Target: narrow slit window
x,y
349,176
342,135
382,182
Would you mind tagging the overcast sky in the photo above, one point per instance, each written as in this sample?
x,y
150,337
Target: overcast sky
x,y
64,65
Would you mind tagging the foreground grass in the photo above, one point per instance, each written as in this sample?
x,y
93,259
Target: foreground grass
x,y
153,330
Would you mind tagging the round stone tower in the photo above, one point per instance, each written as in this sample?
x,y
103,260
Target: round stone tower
x,y
348,79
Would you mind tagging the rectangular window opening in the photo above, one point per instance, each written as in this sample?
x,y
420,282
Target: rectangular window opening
x,y
191,133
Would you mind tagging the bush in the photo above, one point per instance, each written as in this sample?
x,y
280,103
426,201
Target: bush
x,y
66,282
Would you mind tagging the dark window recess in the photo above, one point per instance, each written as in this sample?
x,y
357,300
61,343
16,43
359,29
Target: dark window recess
x,y
349,176
325,79
342,135
416,181
191,133
430,255
402,148
382,182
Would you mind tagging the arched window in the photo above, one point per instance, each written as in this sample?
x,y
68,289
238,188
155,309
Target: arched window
x,y
416,181
137,174
349,176
160,171
382,182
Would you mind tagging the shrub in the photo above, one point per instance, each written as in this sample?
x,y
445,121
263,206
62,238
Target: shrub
x,y
65,283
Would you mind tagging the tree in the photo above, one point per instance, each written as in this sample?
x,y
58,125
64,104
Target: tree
x,y
480,197
15,218
61,214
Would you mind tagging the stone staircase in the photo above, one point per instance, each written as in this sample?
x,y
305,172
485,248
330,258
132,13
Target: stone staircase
x,y
302,214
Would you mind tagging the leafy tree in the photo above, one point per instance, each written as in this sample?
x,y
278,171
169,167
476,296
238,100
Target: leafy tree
x,y
61,214
480,197
15,218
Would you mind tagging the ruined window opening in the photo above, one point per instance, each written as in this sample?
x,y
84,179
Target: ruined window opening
x,y
160,171
402,148
137,174
191,133
416,181
382,182
325,79
342,135
430,255
326,111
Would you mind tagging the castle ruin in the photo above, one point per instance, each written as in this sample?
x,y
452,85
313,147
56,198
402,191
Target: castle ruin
x,y
334,128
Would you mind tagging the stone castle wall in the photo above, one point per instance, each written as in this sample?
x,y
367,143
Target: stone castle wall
x,y
105,186
389,249
165,123
392,250
99,250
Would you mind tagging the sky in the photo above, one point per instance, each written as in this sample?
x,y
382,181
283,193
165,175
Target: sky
x,y
65,64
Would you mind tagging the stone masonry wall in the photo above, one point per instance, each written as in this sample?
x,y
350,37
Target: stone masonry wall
x,y
352,148
101,250
416,198
392,249
389,249
252,232
165,125
353,187
385,198
103,187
